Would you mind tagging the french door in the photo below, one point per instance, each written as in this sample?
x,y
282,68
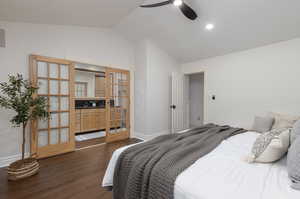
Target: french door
x,y
55,79
117,104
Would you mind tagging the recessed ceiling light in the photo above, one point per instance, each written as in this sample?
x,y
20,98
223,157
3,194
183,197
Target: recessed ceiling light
x,y
209,26
177,2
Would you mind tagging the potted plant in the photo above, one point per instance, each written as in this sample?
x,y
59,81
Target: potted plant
x,y
18,95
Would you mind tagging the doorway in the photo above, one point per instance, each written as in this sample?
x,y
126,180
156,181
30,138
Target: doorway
x,y
187,101
195,100
90,103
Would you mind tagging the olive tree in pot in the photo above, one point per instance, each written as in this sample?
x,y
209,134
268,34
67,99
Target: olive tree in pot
x,y
18,95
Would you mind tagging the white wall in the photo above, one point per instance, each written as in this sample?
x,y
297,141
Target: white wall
x,y
140,87
196,99
89,45
152,89
251,83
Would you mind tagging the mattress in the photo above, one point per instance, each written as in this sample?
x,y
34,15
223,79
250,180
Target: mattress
x,y
223,173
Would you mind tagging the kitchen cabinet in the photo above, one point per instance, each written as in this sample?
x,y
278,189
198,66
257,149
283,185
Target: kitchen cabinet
x,y
93,119
90,120
99,86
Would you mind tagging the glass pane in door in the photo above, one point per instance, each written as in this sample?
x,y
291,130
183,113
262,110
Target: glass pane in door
x,y
42,69
54,103
64,119
53,87
54,120
64,103
64,71
53,70
54,136
119,95
123,90
124,112
64,86
42,138
64,135
42,124
43,87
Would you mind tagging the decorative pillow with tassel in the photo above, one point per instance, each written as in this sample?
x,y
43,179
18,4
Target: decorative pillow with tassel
x,y
270,146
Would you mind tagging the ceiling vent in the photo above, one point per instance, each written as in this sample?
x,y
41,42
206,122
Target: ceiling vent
x,y
2,38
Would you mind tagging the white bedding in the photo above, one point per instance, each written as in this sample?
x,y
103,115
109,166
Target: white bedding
x,y
223,174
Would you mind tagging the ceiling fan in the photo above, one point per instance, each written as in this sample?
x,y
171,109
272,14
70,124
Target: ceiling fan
x,y
185,9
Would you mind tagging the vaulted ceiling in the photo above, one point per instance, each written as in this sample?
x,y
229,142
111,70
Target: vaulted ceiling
x,y
239,24
99,13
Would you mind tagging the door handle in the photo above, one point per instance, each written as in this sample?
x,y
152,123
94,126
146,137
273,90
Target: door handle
x,y
173,106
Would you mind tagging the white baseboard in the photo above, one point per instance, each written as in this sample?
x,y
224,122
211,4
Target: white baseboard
x,y
138,137
5,161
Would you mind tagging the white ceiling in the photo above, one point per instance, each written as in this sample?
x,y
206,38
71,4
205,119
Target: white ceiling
x,y
239,24
99,13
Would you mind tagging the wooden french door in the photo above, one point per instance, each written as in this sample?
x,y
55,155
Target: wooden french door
x,y
55,79
117,104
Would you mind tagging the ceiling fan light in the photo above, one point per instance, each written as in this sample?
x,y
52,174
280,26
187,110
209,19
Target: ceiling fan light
x,y
177,3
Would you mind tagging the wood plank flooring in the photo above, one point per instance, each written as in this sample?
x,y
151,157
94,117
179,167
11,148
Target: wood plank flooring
x,y
76,175
91,142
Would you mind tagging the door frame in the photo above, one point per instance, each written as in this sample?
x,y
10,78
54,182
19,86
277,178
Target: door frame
x,y
204,95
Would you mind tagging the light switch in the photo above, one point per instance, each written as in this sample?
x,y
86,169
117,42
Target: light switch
x,y
2,38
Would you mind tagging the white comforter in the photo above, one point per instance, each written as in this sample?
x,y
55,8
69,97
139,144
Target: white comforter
x,y
223,174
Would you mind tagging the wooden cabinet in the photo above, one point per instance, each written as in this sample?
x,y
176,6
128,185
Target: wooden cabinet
x,y
90,120
77,120
95,119
99,86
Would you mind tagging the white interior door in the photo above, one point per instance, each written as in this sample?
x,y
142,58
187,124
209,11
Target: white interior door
x,y
178,103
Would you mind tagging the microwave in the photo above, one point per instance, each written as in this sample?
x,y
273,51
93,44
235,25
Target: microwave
x,y
88,103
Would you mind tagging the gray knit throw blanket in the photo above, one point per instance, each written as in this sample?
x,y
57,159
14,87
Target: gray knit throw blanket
x,y
149,170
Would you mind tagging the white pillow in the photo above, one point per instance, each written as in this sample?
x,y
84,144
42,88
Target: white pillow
x,y
283,121
262,124
270,146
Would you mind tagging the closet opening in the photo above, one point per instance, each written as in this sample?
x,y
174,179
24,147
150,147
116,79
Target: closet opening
x,y
90,113
195,101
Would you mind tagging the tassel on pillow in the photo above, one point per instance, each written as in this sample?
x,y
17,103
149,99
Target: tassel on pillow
x,y
250,158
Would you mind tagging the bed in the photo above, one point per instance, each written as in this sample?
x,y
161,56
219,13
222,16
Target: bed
x,y
223,173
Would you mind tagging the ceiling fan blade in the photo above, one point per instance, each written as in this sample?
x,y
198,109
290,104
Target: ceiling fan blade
x,y
156,4
188,11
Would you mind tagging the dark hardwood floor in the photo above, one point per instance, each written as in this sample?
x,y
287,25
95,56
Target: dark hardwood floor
x,y
91,142
76,175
